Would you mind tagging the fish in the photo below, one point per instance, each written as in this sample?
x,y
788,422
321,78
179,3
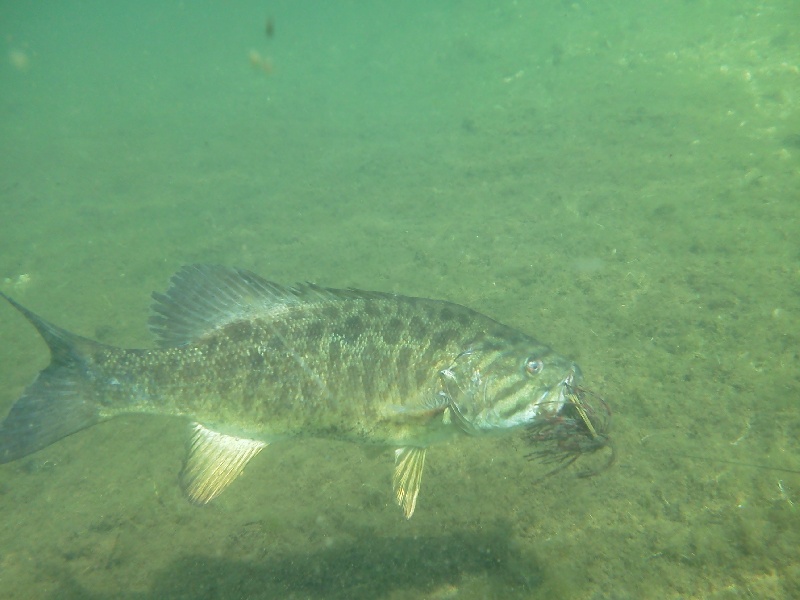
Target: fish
x,y
248,363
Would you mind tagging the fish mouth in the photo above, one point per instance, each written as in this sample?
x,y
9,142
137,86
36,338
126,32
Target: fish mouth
x,y
574,376
555,398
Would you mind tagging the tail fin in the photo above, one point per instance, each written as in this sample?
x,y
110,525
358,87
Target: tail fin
x,y
54,405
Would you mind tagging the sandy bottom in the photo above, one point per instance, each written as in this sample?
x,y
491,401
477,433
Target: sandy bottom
x,y
629,198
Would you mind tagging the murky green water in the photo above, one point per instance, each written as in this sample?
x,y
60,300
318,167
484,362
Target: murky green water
x,y
617,179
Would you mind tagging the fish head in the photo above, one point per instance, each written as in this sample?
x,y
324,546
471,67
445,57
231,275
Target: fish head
x,y
496,387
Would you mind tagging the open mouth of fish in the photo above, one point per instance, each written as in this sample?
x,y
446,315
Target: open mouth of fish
x,y
553,399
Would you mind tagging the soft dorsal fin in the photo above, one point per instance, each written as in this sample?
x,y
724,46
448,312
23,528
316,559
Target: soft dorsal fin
x,y
202,298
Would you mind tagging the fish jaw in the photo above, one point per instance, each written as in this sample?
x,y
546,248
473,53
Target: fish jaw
x,y
550,402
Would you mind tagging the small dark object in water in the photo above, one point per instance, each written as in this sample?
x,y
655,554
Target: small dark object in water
x,y
580,427
269,29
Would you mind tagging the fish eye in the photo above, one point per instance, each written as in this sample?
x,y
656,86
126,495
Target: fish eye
x,y
533,366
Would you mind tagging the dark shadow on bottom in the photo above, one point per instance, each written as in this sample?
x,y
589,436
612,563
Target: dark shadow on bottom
x,y
370,568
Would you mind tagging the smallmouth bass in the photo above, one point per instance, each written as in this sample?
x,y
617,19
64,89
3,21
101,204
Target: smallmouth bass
x,y
250,362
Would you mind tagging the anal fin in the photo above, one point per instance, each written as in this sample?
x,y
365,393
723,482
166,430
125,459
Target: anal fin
x,y
213,462
408,464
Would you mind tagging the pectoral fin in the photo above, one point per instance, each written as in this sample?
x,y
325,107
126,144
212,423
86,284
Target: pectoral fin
x,y
408,464
422,412
213,462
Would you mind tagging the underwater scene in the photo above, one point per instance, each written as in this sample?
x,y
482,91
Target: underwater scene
x,y
617,180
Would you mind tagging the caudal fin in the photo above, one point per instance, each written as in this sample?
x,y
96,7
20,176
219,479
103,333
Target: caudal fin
x,y
55,405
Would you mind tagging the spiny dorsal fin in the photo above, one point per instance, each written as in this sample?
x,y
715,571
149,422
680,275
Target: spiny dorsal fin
x,y
214,461
203,298
408,464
